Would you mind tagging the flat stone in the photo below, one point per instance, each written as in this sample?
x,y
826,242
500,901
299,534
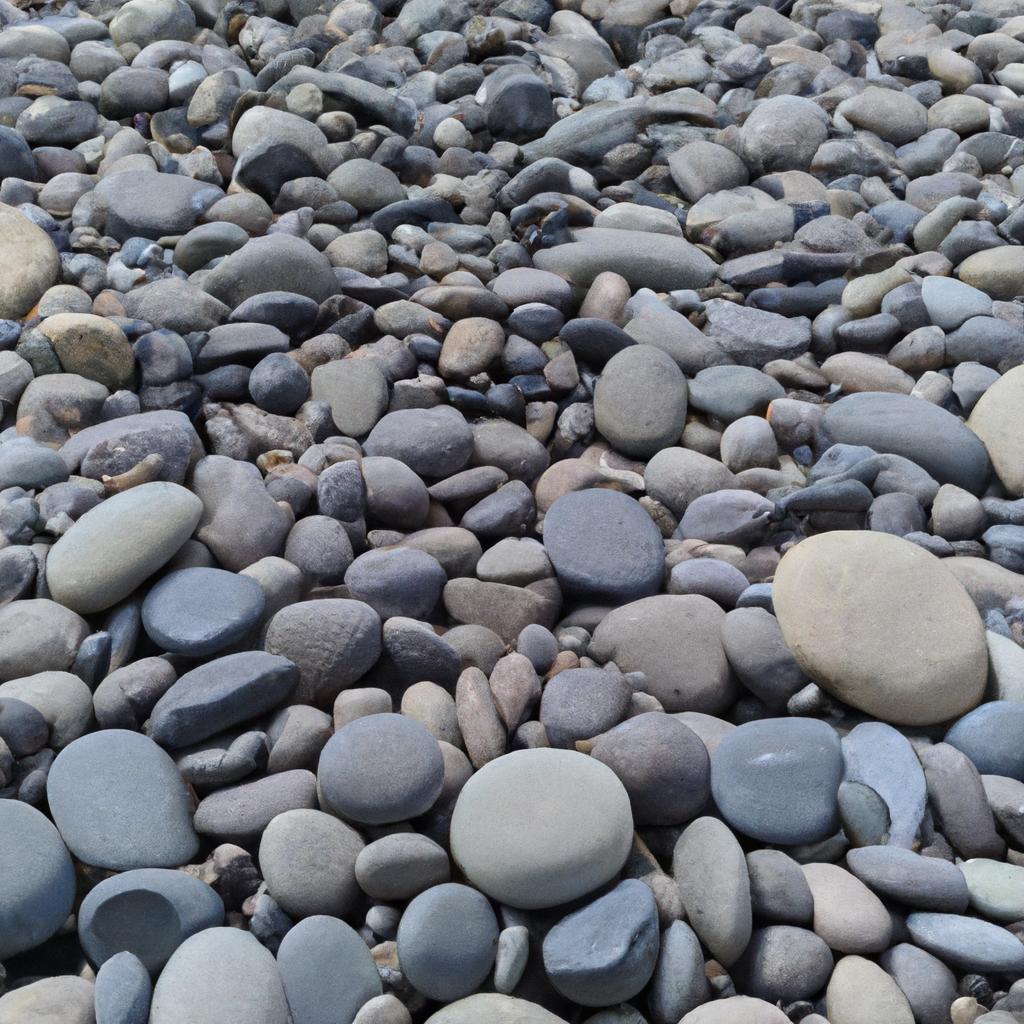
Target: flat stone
x,y
357,391
605,952
920,431
926,883
327,971
91,567
147,204
400,866
240,814
776,780
37,879
711,872
380,769
120,803
61,1000
997,889
200,611
536,853
220,976
967,944
221,694
670,264
875,590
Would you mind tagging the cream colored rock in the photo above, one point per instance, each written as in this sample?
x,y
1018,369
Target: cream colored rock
x,y
881,624
998,419
860,992
847,914
28,263
736,1010
494,1009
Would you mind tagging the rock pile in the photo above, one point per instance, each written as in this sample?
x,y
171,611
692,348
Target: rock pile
x,y
511,512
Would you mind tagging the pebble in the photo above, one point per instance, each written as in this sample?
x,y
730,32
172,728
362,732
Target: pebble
x,y
605,952
447,941
777,780
844,574
216,975
120,803
380,769
470,379
536,855
327,972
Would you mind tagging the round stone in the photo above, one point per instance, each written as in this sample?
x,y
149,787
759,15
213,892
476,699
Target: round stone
x,y
537,828
401,865
640,401
37,878
604,546
606,952
120,543
220,976
997,889
783,964
149,912
662,763
881,624
860,992
401,581
308,861
776,780
327,971
380,769
447,941
997,420
201,611
119,802
990,736
39,636
582,702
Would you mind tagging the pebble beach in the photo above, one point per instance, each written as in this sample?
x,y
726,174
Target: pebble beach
x,y
512,512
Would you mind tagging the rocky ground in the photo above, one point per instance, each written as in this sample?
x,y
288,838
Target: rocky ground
x,y
512,515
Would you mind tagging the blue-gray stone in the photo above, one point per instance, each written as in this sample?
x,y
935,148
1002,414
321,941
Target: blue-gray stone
x,y
37,879
123,991
920,431
604,546
401,581
26,463
967,943
381,768
200,611
777,780
220,694
926,883
990,736
447,941
148,912
605,952
881,757
327,971
119,802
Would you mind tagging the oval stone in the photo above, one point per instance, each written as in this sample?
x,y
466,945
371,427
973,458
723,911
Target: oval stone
x,y
380,769
998,419
37,879
881,624
967,944
220,976
200,611
327,971
604,546
537,828
777,779
120,803
120,543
